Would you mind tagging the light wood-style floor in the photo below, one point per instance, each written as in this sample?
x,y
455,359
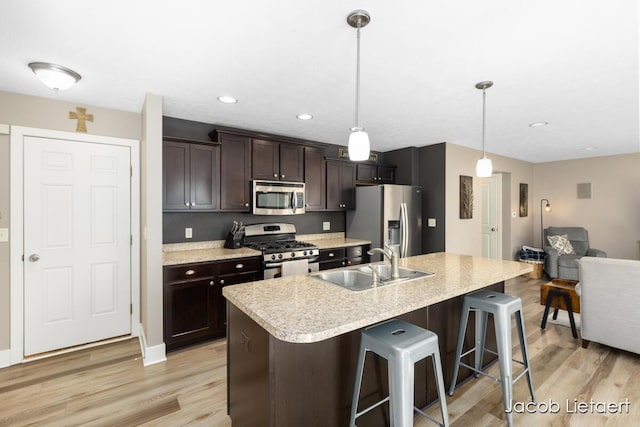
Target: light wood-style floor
x,y
108,386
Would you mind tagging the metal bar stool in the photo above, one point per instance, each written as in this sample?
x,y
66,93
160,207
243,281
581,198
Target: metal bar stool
x,y
501,306
402,345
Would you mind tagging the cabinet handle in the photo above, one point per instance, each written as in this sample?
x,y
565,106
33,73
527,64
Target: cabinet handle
x,y
246,205
281,176
239,266
343,263
211,283
189,272
275,175
306,205
331,254
222,282
374,178
187,204
348,262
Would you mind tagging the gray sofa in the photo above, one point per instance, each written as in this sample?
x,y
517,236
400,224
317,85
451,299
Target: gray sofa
x,y
566,266
609,298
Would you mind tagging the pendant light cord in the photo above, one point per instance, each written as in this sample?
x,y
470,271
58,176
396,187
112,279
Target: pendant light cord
x,y
358,78
484,94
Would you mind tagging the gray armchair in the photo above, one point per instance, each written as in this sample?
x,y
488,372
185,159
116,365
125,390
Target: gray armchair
x,y
566,266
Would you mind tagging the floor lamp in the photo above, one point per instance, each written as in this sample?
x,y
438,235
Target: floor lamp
x,y
543,209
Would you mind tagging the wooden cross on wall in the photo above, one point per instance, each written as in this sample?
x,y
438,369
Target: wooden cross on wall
x,y
82,117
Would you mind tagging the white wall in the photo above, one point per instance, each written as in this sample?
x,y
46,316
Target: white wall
x,y
463,235
151,309
612,215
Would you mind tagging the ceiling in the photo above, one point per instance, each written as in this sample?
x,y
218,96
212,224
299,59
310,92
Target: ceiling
x,y
572,63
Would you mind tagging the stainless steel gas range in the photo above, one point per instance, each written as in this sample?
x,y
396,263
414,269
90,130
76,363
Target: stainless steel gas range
x,y
278,244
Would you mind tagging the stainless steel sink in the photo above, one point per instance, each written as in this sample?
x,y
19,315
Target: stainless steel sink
x,y
360,279
406,274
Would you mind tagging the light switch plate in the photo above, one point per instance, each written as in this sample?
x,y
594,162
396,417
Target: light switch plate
x,y
188,233
4,234
431,222
326,226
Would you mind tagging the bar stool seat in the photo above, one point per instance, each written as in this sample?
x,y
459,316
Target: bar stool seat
x,y
402,345
501,306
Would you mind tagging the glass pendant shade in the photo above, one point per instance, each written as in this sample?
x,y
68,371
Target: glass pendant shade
x,y
484,168
358,145
54,76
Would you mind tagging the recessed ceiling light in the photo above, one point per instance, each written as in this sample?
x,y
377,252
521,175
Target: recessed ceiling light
x,y
227,99
590,148
537,124
304,116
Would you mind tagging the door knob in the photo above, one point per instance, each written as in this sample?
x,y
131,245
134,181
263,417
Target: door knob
x,y
493,229
34,257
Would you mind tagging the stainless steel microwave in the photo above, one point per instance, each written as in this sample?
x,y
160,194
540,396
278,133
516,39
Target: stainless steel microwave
x,y
278,198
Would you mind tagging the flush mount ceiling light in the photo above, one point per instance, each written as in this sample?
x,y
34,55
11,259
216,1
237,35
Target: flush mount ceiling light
x,y
227,99
304,116
358,139
590,148
55,76
538,124
484,168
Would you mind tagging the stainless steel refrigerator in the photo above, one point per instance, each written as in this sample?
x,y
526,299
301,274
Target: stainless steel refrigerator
x,y
390,214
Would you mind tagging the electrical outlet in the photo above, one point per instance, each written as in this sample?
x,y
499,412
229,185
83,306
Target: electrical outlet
x,y
513,214
4,234
188,233
431,222
326,226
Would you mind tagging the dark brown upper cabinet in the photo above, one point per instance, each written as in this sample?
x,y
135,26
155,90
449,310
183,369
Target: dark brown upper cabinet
x,y
190,176
341,183
375,174
314,178
235,172
280,161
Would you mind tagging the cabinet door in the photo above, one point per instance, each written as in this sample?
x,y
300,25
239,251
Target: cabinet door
x,y
314,178
291,162
386,174
175,176
366,173
235,168
189,312
205,182
334,189
348,185
265,160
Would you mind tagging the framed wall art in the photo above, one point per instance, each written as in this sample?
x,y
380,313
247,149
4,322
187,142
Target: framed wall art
x,y
466,197
524,200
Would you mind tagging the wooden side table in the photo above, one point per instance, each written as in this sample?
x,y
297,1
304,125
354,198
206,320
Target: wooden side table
x,y
560,294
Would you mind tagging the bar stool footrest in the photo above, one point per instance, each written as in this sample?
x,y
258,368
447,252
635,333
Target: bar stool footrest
x,y
375,405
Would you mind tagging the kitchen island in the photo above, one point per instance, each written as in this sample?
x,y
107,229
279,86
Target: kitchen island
x,y
292,342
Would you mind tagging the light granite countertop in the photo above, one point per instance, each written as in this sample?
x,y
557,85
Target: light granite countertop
x,y
302,309
187,253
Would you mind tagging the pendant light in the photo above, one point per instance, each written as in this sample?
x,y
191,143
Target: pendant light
x,y
484,168
358,139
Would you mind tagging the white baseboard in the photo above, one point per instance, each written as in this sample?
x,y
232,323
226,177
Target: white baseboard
x,y
151,355
5,358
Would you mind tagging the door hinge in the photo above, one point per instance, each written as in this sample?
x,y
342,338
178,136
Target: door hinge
x,y
130,308
130,239
130,171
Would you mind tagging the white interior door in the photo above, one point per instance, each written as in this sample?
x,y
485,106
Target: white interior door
x,y
490,236
77,253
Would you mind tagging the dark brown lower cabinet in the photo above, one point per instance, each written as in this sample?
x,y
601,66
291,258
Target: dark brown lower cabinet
x,y
343,256
194,308
277,383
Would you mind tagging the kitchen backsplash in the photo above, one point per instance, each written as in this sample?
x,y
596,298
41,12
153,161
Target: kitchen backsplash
x,y
208,226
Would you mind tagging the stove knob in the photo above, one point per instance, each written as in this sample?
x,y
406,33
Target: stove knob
x,y
280,256
293,254
304,253
273,257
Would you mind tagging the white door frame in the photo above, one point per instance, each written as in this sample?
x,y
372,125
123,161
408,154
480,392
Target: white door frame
x,y
16,227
